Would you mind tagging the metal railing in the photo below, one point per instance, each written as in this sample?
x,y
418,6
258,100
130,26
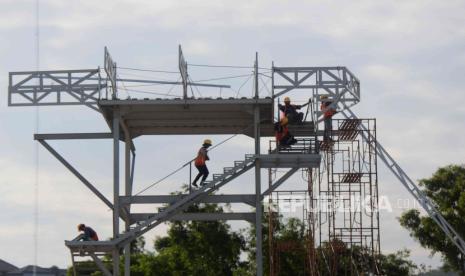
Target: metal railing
x,y
303,145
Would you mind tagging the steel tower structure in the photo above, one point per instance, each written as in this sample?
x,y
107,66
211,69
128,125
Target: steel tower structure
x,y
128,119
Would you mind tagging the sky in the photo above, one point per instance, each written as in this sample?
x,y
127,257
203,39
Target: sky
x,y
408,55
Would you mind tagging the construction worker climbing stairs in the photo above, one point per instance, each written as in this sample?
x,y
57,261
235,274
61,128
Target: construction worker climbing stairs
x,y
200,163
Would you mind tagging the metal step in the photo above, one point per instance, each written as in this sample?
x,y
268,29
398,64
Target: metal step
x,y
228,170
206,182
239,163
249,157
218,176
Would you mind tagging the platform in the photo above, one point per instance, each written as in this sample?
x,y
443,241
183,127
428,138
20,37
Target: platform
x,y
289,160
91,246
195,116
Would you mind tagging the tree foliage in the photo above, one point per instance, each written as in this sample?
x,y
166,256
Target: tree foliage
x,y
291,248
195,248
212,248
446,188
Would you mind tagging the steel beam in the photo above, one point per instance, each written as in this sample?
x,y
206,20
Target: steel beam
x,y
73,136
198,216
169,199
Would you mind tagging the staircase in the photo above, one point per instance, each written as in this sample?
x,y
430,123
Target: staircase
x,y
93,248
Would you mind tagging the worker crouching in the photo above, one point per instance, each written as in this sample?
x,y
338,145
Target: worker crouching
x,y
283,137
88,233
200,163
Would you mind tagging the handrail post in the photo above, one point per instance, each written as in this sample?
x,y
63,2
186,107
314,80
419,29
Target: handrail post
x,y
190,177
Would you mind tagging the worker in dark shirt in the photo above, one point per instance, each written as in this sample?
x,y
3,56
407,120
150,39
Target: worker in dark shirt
x,y
290,111
200,163
88,233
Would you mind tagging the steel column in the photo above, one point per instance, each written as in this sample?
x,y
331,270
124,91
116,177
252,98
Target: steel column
x,y
116,137
127,192
258,193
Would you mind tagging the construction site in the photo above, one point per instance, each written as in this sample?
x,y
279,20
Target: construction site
x,y
335,155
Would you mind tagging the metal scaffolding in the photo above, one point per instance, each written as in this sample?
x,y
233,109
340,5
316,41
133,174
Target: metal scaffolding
x,y
339,208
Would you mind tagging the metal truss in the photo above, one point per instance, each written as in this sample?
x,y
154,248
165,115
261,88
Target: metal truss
x,y
60,87
428,205
338,83
80,87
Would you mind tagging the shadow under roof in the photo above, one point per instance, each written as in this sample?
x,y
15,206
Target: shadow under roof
x,y
190,116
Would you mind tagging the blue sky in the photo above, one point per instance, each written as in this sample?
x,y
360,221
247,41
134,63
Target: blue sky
x,y
408,55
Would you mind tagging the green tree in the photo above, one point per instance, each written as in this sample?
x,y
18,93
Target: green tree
x,y
397,263
198,247
290,242
446,187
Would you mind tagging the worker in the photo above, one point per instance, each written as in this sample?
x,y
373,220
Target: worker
x,y
328,113
283,137
290,111
88,233
200,163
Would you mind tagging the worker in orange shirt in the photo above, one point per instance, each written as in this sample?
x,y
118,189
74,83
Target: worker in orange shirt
x,y
200,163
328,113
283,137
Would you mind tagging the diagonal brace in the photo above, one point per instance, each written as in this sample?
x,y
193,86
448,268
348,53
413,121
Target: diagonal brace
x,y
100,265
279,182
76,173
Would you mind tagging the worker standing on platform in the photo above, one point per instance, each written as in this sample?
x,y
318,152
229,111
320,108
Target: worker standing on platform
x,y
200,162
290,111
328,112
88,233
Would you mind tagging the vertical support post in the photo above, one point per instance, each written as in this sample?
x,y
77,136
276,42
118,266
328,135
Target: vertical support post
x,y
116,210
190,177
258,192
272,79
256,75
271,252
127,192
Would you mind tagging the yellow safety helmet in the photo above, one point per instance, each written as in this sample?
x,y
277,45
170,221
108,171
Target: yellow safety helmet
x,y
207,141
323,97
287,99
284,121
